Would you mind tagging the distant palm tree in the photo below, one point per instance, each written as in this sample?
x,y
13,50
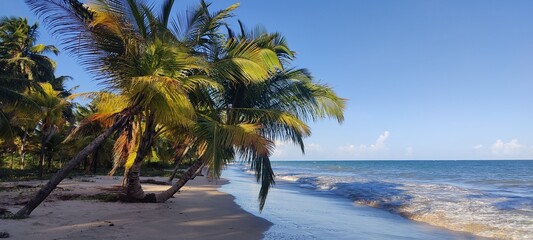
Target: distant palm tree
x,y
11,98
20,56
51,118
21,59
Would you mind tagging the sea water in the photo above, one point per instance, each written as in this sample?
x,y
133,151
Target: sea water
x,y
337,199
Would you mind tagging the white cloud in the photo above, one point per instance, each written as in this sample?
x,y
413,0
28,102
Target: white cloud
x,y
353,150
479,146
506,148
380,142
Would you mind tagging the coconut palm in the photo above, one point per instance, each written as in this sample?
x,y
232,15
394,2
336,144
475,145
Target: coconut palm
x,y
20,55
130,51
188,79
51,117
281,105
13,33
127,60
21,59
11,98
91,120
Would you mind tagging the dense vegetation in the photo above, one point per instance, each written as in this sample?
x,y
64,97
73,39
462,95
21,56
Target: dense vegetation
x,y
173,90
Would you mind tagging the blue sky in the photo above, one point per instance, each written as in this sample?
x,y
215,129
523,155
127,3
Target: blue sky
x,y
425,79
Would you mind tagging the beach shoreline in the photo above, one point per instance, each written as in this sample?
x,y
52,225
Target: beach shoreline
x,y
300,212
198,211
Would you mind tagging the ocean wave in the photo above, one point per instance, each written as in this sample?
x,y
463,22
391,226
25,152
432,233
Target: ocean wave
x,y
456,208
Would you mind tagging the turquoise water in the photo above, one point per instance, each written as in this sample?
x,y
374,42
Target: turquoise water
x,y
487,198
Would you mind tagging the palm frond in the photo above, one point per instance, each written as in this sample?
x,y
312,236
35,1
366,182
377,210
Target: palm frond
x,y
43,49
245,62
164,96
165,12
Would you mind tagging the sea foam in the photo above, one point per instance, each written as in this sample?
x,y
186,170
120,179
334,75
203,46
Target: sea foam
x,y
488,208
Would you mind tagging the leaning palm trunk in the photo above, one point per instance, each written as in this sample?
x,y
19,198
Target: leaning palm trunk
x,y
42,194
134,191
188,175
177,163
180,154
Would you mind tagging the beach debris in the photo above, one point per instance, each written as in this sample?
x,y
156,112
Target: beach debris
x,y
15,187
4,213
4,234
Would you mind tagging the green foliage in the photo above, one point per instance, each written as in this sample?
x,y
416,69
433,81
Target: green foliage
x,y
33,110
227,94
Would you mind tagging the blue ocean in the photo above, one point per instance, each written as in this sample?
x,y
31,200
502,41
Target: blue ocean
x,y
432,199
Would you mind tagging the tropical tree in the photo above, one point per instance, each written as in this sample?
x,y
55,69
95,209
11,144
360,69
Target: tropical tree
x,y
275,108
247,60
20,56
187,80
11,98
51,118
132,58
22,64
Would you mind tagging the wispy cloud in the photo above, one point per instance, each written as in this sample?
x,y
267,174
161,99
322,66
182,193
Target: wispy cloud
x,y
380,142
506,148
362,149
479,146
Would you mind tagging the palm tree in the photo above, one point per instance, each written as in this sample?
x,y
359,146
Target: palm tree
x,y
21,59
11,98
99,44
133,57
180,79
235,61
91,121
51,119
276,108
20,56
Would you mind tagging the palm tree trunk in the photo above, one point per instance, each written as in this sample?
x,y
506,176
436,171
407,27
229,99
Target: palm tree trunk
x,y
95,161
177,162
22,157
133,190
49,162
89,163
189,174
22,153
180,153
12,159
41,195
41,157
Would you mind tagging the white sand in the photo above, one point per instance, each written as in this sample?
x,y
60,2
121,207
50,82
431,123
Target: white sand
x,y
199,211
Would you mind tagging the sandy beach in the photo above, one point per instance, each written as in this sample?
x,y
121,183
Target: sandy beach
x,y
199,211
